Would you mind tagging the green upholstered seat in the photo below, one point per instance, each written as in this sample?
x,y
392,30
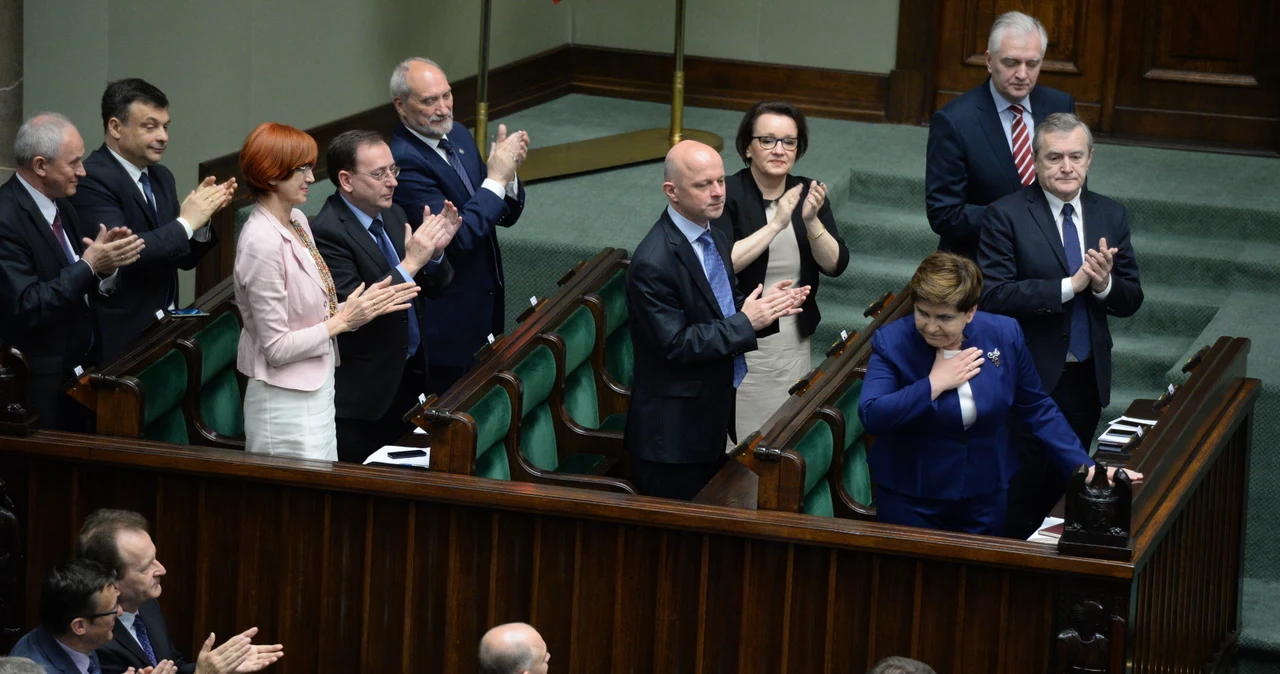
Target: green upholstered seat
x,y
221,406
164,383
816,448
619,359
492,414
581,401
537,374
856,477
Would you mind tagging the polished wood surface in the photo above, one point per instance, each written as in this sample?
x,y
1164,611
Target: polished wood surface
x,y
370,569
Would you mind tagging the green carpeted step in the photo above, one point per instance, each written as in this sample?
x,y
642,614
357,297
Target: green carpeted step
x,y
1208,263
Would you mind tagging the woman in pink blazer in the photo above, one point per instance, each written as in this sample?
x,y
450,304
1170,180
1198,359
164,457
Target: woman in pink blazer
x,y
289,306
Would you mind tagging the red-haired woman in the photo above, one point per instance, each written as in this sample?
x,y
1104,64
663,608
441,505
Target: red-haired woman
x,y
289,305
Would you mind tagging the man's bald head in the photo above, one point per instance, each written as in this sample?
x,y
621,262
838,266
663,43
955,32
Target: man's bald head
x,y
514,648
693,178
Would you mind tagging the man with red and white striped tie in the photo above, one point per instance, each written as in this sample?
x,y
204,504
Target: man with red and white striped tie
x,y
980,143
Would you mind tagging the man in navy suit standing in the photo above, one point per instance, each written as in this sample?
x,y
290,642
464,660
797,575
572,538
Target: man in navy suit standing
x,y
439,163
980,143
1057,257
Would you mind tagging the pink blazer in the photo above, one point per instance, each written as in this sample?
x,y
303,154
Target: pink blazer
x,y
283,304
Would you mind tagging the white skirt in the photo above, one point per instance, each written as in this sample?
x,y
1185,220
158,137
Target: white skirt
x,y
284,422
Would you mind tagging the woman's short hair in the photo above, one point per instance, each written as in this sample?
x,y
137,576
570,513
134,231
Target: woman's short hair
x,y
746,128
947,279
273,152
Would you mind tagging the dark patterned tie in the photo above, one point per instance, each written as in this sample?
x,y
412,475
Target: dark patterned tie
x,y
1079,340
151,197
713,266
140,627
389,252
456,162
94,667
61,236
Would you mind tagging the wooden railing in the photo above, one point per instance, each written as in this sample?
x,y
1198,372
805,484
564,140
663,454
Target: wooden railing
x,y
365,569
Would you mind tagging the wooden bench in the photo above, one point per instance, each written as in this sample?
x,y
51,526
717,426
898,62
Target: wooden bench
x,y
372,569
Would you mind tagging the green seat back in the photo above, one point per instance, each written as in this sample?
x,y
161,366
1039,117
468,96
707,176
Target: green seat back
x,y
848,406
856,477
619,359
221,406
492,413
164,383
816,448
537,373
580,400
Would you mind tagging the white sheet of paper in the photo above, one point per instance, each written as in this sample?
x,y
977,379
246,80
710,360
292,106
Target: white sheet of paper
x,y
1141,422
381,456
417,430
1038,537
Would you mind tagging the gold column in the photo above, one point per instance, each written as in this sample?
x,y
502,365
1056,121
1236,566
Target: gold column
x,y
482,82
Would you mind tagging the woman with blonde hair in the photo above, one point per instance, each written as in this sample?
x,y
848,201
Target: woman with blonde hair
x,y
937,394
288,303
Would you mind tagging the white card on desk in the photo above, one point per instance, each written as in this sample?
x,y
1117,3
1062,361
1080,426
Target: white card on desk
x,y
419,457
1140,422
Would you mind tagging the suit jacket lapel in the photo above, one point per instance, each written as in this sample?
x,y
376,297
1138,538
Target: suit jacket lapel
x,y
354,229
124,184
299,251
1039,207
435,161
1092,228
684,252
394,230
125,638
36,220
993,129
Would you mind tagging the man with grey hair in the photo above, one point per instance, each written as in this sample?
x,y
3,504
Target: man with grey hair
x,y
980,143
49,278
1057,257
19,666
897,665
440,164
514,648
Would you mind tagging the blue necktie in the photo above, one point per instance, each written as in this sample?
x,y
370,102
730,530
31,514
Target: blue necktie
x,y
719,280
140,628
151,196
457,165
94,667
1079,340
389,252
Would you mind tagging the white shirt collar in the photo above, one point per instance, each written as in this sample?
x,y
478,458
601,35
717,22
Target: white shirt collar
x,y
134,171
1055,204
127,619
1003,104
47,208
433,142
689,228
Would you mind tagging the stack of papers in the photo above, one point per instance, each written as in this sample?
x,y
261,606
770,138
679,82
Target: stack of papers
x,y
1050,531
1120,431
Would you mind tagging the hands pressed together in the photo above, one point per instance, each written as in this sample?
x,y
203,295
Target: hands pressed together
x,y
111,249
1095,272
764,307
365,304
238,655
506,154
206,199
431,237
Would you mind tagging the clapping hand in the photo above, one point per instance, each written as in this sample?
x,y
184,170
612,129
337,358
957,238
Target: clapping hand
x,y
949,373
786,207
813,202
430,239
225,658
205,200
1100,261
364,305
762,309
506,154
162,667
113,248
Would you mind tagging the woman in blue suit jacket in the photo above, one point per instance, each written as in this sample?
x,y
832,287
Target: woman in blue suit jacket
x,y
938,391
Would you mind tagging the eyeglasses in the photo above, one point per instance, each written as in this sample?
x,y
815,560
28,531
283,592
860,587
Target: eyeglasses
x,y
382,174
95,616
767,142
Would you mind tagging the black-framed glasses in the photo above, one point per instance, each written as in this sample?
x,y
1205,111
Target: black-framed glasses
x,y
95,616
382,174
767,142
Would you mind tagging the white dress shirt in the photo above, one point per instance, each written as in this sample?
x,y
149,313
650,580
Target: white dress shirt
x,y
80,660
50,211
1077,217
968,409
691,231
127,619
512,189
366,221
1006,115
136,173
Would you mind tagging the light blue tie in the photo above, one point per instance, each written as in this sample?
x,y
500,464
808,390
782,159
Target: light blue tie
x,y
1078,343
713,266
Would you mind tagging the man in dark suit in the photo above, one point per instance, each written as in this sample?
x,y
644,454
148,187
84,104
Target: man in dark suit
x,y
980,143
439,164
125,186
78,612
118,540
364,238
1057,257
49,277
689,328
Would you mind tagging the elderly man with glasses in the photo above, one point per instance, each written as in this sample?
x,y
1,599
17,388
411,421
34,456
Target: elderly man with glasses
x,y
364,238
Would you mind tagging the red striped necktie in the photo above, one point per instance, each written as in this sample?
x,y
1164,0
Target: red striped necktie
x,y
1022,147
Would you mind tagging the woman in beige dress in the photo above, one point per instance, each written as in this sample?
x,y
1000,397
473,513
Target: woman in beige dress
x,y
762,202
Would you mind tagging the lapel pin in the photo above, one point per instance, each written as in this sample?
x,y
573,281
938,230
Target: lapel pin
x,y
461,151
994,357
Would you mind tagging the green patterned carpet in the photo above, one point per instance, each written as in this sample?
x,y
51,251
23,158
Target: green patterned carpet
x,y
1206,231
